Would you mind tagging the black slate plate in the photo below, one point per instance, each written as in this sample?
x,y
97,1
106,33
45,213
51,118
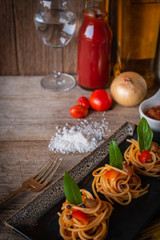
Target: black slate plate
x,y
38,220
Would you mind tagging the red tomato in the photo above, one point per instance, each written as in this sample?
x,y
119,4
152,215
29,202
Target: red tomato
x,y
100,100
145,155
79,215
78,111
111,174
84,102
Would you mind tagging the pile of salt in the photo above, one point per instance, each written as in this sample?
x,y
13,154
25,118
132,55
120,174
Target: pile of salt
x,y
83,137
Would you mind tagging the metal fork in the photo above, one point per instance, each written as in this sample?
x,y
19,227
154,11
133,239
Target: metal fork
x,y
37,182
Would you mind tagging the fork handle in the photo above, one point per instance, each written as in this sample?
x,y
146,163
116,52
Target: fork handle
x,y
4,200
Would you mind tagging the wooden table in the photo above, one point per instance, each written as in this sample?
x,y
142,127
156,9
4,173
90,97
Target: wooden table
x,y
28,119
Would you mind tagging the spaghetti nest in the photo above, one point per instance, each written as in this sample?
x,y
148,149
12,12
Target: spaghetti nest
x,y
125,186
150,167
97,213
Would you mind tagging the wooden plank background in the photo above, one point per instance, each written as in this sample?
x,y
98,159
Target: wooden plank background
x,y
23,53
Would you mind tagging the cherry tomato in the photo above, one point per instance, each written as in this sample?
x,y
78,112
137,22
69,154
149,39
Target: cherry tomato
x,y
78,111
79,215
100,100
145,155
111,174
84,102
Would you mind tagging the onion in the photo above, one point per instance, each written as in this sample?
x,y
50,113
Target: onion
x,y
128,89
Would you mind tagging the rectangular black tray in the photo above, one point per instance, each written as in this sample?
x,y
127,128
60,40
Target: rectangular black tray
x,y
38,220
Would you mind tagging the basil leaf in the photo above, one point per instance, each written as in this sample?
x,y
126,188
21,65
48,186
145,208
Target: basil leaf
x,y
115,155
145,135
71,190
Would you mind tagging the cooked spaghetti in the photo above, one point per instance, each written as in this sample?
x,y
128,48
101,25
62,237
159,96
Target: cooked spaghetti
x,y
125,185
151,167
96,214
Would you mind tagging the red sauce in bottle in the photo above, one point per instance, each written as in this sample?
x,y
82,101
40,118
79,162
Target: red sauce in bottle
x,y
94,46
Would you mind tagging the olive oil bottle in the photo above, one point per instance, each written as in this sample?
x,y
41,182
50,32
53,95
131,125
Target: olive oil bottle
x,y
137,36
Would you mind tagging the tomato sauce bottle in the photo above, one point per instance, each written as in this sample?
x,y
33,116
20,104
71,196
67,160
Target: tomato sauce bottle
x,y
94,47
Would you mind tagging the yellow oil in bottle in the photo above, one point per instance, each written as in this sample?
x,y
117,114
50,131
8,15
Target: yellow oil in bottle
x,y
138,29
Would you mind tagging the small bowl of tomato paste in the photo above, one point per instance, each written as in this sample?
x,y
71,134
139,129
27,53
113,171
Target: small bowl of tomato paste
x,y
150,109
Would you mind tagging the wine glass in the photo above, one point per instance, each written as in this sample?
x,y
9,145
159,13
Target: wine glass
x,y
55,22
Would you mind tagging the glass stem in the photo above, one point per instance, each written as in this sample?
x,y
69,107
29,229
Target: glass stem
x,y
55,71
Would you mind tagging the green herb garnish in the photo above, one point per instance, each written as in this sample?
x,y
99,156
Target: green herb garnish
x,y
145,135
71,190
115,155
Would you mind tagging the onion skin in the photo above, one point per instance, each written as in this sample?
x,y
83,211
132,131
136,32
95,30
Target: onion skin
x,y
128,89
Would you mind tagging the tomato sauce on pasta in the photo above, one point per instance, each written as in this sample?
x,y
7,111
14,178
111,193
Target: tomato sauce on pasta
x,y
148,168
122,189
97,215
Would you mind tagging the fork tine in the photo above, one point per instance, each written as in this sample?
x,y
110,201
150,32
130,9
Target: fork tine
x,y
45,174
43,170
49,174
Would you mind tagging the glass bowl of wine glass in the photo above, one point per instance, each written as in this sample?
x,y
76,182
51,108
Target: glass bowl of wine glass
x,y
55,22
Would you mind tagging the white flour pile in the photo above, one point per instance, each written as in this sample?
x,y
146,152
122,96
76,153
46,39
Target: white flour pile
x,y
83,137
